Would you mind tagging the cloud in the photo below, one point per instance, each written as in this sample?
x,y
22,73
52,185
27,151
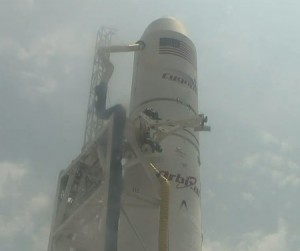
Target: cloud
x,y
23,214
10,173
273,162
275,166
251,160
23,3
7,44
254,241
271,140
249,197
276,241
21,223
40,238
61,41
38,67
38,84
284,179
210,245
26,222
39,203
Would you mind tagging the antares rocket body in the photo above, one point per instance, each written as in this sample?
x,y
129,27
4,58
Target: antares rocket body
x,y
165,81
136,184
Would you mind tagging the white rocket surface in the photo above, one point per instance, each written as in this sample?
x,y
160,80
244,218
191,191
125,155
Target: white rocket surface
x,y
165,80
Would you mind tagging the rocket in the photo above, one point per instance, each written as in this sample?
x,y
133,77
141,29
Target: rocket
x,y
136,184
164,83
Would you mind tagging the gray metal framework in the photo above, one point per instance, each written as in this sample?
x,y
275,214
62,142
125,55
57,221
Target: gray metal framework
x,y
94,123
81,196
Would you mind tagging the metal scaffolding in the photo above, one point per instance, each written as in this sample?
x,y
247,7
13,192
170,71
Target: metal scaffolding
x,y
81,196
94,123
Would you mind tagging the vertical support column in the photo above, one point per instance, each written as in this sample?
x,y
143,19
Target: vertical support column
x,y
115,180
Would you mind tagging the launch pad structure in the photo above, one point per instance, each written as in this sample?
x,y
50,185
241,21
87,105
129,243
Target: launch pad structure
x,y
92,195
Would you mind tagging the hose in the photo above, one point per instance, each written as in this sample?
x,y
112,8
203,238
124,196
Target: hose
x,y
163,238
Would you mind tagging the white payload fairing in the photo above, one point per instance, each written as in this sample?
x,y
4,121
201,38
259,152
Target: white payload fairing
x,y
138,190
165,81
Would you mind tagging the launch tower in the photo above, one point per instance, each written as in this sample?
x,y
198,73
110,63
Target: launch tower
x,y
136,184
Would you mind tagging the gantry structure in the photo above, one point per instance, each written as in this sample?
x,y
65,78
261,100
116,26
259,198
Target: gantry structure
x,y
88,199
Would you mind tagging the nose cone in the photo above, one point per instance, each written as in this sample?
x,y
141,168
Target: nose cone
x,y
167,24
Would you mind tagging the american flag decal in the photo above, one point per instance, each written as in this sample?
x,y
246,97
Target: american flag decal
x,y
178,48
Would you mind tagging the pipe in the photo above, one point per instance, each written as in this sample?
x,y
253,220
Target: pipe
x,y
101,89
163,238
122,48
115,184
115,178
108,68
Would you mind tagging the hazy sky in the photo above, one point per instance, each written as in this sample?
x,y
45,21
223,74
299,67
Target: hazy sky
x,y
248,70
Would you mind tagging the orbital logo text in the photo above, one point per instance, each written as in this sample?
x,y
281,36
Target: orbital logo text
x,y
181,182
